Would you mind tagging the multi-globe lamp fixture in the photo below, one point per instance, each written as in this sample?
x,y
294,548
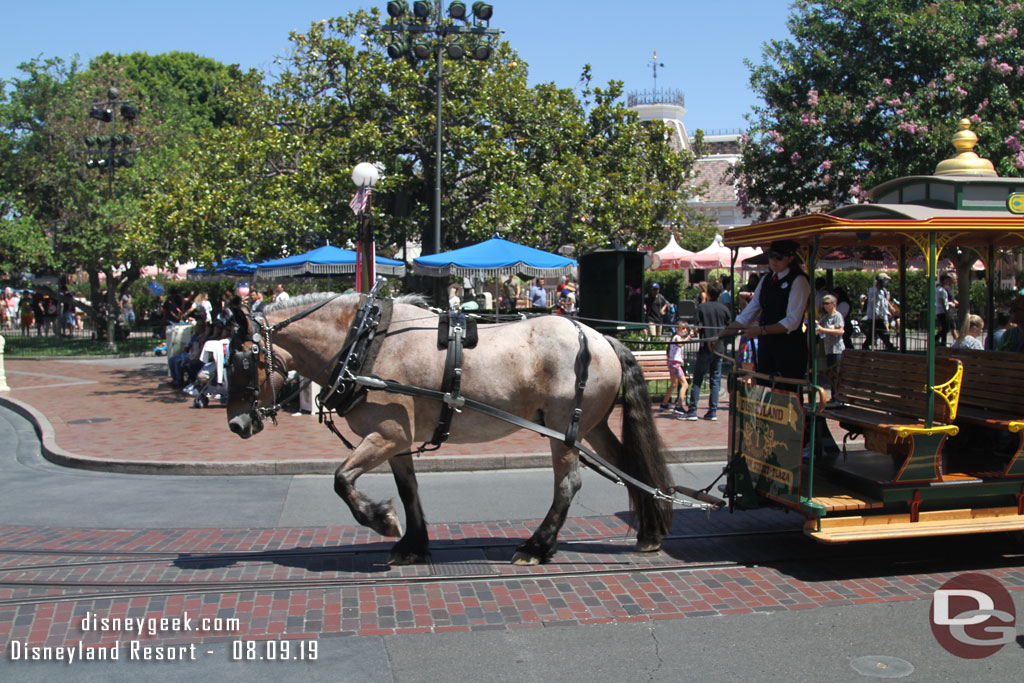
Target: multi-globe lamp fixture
x,y
422,32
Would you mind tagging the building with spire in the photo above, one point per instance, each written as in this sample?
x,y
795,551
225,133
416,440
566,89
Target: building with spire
x,y
720,151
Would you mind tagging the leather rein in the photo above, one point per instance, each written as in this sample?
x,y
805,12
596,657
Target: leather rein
x,y
450,397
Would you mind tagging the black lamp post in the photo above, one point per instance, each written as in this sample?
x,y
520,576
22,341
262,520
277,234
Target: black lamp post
x,y
416,37
105,152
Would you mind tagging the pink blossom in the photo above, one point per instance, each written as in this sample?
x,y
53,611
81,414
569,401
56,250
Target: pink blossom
x,y
1018,161
909,127
808,120
998,38
826,178
795,158
779,150
983,104
901,112
1005,68
812,98
858,119
744,139
1013,7
825,165
870,104
975,118
776,136
1020,71
1013,143
932,84
949,78
894,102
1020,124
961,92
923,130
887,82
982,41
1012,33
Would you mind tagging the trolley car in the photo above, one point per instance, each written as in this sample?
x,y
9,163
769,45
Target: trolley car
x,y
931,443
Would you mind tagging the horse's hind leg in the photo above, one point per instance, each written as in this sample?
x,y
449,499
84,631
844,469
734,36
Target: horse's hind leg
x,y
412,547
608,446
541,546
379,516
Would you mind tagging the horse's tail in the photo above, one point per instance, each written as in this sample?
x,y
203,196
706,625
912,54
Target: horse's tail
x,y
642,451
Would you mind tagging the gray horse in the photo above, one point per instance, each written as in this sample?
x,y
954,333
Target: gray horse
x,y
525,368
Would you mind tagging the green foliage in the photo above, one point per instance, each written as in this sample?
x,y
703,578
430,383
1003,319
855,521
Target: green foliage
x,y
865,91
535,164
58,216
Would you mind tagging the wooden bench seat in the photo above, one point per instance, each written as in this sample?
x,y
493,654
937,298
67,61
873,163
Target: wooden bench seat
x,y
992,395
884,396
654,365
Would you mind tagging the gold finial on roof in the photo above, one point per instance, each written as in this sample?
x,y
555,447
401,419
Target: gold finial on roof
x,y
966,162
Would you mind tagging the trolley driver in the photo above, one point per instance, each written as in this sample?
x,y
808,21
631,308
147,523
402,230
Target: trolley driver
x,y
775,314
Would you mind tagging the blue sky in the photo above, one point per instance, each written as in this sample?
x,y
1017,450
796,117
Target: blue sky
x,y
701,44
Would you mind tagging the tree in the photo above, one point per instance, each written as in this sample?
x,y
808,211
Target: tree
x,y
55,214
866,91
535,163
870,90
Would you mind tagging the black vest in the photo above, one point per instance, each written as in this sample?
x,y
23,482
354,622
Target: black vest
x,y
774,298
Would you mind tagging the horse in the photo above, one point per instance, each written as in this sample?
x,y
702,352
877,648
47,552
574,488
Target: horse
x,y
525,368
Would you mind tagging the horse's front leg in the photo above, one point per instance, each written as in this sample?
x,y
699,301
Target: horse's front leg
x,y
371,452
541,546
412,547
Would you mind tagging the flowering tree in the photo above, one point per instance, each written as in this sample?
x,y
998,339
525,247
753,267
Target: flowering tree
x,y
870,90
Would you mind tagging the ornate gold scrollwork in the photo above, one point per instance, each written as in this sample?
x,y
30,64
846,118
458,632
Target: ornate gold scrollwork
x,y
949,391
921,240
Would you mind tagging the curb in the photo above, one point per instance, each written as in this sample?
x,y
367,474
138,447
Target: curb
x,y
53,452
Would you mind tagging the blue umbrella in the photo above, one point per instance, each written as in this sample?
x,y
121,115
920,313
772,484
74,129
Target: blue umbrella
x,y
231,267
494,258
324,261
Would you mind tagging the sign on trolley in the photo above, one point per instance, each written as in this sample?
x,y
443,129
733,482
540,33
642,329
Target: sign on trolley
x,y
770,427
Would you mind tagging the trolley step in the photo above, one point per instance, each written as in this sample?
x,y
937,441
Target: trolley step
x,y
930,523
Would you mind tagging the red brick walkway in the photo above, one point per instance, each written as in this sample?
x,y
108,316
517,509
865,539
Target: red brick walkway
x,y
128,418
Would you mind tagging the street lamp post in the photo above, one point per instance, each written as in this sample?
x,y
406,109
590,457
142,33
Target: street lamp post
x,y
105,152
473,38
365,176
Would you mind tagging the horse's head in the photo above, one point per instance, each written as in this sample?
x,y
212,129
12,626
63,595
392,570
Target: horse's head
x,y
252,383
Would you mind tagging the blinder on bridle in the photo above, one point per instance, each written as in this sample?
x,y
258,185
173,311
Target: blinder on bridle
x,y
243,365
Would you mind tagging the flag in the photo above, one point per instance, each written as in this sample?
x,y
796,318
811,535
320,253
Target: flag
x,y
358,203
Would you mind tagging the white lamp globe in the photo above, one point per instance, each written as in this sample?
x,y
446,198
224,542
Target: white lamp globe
x,y
365,175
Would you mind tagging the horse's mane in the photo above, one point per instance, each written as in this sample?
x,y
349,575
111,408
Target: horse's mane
x,y
316,297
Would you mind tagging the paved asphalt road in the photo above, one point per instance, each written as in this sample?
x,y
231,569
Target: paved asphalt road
x,y
835,644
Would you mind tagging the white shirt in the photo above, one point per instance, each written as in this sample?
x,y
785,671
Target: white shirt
x,y
795,307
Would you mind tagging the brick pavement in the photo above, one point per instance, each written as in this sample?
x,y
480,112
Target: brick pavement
x,y
125,417
305,584
309,583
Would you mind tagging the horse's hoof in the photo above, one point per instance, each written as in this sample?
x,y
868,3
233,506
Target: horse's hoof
x,y
648,545
398,558
524,559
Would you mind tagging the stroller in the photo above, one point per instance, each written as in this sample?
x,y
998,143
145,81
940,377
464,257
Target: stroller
x,y
211,380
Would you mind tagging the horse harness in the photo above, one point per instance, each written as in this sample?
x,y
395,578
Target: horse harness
x,y
351,379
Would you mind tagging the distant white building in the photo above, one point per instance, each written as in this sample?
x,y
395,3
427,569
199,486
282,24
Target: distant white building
x,y
721,151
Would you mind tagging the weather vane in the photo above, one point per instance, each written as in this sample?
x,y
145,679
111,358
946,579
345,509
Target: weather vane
x,y
654,67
